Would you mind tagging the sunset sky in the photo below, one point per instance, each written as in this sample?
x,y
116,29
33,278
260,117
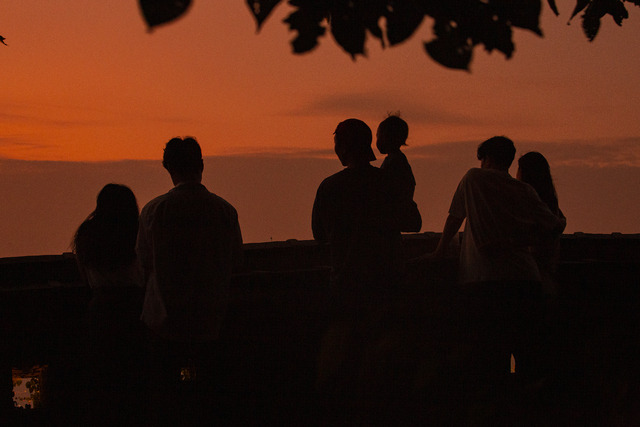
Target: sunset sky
x,y
89,96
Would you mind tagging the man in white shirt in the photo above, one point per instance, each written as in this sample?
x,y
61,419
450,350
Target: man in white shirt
x,y
189,240
498,274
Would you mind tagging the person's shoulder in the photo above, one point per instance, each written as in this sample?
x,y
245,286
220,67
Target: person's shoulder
x,y
153,203
374,170
482,178
474,173
523,187
396,157
335,179
489,174
221,201
401,157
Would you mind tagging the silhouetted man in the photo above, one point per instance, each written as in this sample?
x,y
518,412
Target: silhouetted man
x,y
354,212
188,241
498,273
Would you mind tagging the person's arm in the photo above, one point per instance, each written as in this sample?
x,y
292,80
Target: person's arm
x,y
546,221
451,227
457,215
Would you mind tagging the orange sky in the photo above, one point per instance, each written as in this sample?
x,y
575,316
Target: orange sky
x,y
84,81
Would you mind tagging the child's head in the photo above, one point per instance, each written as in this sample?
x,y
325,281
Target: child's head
x,y
392,134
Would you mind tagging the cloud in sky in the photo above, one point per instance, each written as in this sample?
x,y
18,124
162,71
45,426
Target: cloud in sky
x,y
57,115
32,119
274,190
19,143
43,131
591,153
276,152
594,153
378,104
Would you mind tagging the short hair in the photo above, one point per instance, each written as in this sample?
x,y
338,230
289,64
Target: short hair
x,y
396,128
182,155
500,149
356,137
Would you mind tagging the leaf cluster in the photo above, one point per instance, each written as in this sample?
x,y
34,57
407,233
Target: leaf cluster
x,y
459,26
595,10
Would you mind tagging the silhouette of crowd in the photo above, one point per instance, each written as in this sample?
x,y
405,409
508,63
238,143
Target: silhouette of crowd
x,y
160,281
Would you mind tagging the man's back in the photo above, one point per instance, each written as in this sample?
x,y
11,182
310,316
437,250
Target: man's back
x,y
188,242
352,212
503,216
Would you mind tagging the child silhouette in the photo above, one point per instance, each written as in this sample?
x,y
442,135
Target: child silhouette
x,y
391,136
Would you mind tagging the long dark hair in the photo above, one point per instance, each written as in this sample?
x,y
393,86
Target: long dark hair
x,y
107,238
535,171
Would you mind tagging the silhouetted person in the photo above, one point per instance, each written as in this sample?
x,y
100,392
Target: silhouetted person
x,y
354,213
534,169
392,134
188,242
499,276
104,245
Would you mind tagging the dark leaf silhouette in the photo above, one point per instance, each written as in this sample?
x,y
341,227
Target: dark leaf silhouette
x,y
450,48
372,12
261,9
157,12
461,25
347,27
580,5
596,10
402,21
523,13
618,11
307,22
499,36
590,25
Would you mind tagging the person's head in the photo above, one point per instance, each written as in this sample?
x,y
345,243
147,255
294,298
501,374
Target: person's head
x,y
392,133
106,239
352,139
183,160
496,153
116,201
534,169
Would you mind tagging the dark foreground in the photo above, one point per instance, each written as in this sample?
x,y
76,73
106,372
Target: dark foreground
x,y
265,369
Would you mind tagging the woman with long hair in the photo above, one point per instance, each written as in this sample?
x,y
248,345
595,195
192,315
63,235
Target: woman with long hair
x,y
104,246
534,169
104,243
